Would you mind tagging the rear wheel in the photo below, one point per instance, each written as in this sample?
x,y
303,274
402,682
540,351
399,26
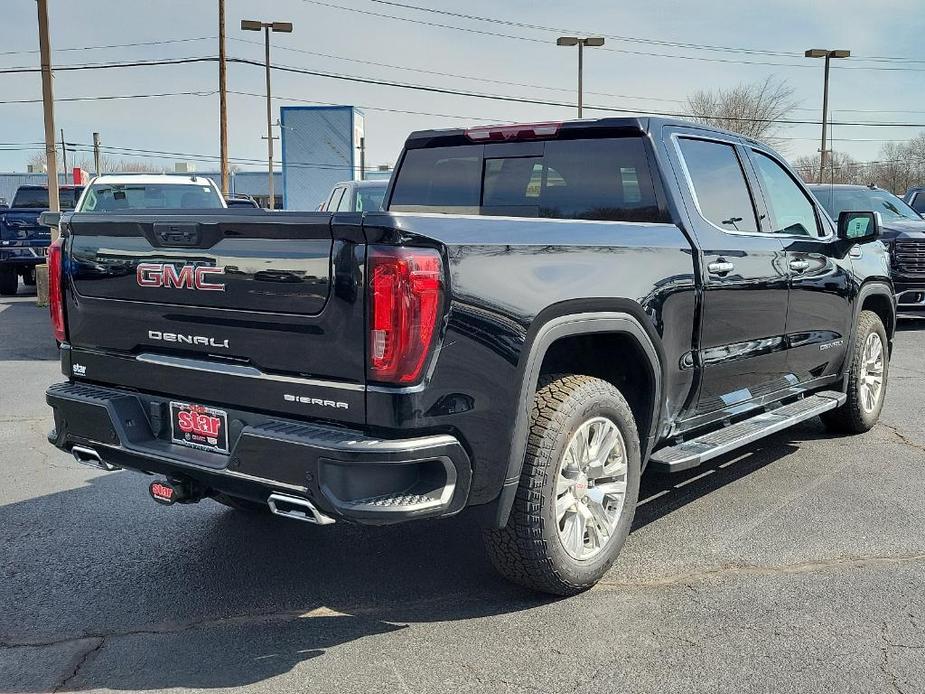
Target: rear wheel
x,y
9,281
867,379
578,489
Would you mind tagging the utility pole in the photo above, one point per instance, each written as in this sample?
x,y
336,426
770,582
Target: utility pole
x,y
64,155
828,55
96,153
51,163
48,106
222,97
285,27
362,158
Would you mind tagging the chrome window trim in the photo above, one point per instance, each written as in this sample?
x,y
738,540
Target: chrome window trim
x,y
718,139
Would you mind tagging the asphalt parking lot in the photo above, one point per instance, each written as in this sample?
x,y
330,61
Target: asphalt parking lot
x,y
797,565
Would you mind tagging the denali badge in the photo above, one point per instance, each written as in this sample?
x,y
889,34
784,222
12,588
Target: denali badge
x,y
316,401
178,276
831,345
187,339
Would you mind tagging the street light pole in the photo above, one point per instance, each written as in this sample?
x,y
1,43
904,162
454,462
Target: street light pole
x,y
581,43
222,98
267,27
272,201
828,55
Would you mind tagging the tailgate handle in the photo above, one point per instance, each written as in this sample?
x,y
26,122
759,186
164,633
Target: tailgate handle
x,y
169,234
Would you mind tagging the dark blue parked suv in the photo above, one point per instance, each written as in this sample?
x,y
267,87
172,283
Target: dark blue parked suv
x,y
23,241
902,230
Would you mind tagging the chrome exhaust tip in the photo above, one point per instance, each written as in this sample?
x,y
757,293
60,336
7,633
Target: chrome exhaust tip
x,y
89,457
296,508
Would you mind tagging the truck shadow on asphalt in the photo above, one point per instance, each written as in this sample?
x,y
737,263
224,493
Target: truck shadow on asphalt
x,y
149,597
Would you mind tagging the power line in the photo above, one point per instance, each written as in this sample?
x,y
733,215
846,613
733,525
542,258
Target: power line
x,y
477,78
113,97
110,65
627,51
368,107
628,39
115,45
541,102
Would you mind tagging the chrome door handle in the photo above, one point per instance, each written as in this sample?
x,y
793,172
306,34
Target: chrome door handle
x,y
720,267
799,265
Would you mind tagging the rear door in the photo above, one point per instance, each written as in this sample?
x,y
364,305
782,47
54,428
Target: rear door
x,y
819,318
258,310
744,274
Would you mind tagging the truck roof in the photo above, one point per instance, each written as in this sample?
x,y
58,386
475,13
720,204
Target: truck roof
x,y
145,178
599,127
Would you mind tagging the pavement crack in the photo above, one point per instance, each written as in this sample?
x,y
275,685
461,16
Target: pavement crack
x,y
95,646
758,570
891,677
902,437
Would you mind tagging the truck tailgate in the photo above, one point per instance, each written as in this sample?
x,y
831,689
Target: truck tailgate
x,y
259,310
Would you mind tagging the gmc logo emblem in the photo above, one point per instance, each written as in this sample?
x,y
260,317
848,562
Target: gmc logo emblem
x,y
178,277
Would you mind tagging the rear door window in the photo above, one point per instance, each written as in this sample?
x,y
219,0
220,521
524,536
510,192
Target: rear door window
x,y
719,184
918,202
593,179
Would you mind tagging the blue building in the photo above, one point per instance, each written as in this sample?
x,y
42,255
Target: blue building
x,y
321,146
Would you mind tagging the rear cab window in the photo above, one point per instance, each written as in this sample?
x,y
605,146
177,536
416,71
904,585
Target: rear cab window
x,y
719,185
605,179
107,197
37,198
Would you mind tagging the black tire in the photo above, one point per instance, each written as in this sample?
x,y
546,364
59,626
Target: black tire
x,y
528,550
853,417
9,281
239,504
28,277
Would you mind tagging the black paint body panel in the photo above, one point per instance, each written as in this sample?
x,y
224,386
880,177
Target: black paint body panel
x,y
723,346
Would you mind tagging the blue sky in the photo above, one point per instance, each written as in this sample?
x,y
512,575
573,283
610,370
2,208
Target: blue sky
x,y
337,40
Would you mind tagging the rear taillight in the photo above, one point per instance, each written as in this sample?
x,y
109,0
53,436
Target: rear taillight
x,y
405,299
56,289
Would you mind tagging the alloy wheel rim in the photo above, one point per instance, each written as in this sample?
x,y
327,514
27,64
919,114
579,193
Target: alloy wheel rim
x,y
871,378
591,488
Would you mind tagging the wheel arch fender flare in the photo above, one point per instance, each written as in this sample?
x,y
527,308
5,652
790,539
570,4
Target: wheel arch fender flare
x,y
544,335
870,288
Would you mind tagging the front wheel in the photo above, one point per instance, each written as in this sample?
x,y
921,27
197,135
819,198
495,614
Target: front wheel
x,y
867,379
578,489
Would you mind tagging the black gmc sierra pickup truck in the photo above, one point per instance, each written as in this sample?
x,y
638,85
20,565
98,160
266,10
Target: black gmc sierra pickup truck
x,y
541,312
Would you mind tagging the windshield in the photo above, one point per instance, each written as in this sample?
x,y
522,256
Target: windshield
x,y
838,200
106,197
37,198
369,199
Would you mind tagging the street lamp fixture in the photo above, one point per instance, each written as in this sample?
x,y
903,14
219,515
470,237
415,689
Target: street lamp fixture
x,y
828,55
267,27
581,43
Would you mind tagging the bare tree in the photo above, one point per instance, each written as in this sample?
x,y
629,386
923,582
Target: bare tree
x,y
840,168
107,164
753,109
